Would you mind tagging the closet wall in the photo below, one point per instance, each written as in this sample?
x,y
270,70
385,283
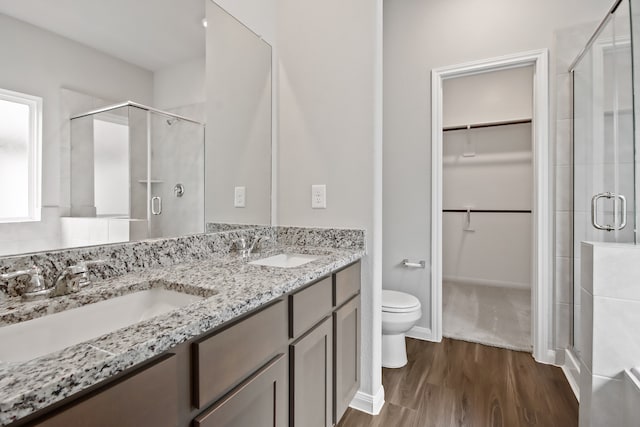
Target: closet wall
x,y
488,168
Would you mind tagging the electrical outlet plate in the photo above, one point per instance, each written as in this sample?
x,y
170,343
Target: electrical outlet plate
x,y
239,197
319,196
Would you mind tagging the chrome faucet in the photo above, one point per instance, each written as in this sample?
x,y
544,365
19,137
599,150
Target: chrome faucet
x,y
74,277
36,288
256,241
245,249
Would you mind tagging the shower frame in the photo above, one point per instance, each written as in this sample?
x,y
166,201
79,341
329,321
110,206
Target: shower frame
x,y
149,111
598,49
137,105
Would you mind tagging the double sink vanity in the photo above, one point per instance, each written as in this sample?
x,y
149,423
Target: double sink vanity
x,y
188,331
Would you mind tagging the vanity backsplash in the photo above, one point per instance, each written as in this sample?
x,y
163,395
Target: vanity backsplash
x,y
217,227
123,258
339,238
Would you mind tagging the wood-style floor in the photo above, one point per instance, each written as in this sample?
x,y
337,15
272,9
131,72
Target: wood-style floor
x,y
457,383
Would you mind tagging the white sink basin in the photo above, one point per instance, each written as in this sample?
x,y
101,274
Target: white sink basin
x,y
285,260
34,338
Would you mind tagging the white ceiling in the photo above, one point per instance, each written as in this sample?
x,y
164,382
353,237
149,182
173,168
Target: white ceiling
x,y
153,34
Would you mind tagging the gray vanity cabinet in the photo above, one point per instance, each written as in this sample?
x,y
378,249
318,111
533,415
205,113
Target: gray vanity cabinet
x,y
346,335
324,323
309,306
146,397
346,338
311,380
346,283
227,357
292,362
260,401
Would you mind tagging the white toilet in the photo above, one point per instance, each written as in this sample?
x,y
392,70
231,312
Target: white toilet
x,y
400,311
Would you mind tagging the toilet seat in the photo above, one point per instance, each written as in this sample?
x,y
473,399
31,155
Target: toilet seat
x,y
399,302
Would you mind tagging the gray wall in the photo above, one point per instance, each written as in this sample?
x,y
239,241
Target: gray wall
x,y
328,134
422,35
327,127
180,85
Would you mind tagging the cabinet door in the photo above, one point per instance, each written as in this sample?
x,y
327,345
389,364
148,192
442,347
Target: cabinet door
x,y
260,401
346,323
145,398
311,377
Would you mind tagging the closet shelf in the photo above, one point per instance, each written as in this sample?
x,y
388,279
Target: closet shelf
x,y
487,210
487,125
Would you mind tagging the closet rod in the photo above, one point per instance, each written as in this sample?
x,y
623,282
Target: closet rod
x,y
487,125
486,210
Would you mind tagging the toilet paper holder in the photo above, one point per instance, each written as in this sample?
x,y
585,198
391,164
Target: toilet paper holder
x,y
407,263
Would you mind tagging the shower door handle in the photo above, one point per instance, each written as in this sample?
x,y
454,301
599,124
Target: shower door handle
x,y
594,211
623,217
156,205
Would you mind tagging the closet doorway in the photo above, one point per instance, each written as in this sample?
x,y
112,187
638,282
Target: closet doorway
x,y
491,238
486,217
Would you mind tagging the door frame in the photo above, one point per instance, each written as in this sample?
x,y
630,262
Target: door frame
x,y
542,278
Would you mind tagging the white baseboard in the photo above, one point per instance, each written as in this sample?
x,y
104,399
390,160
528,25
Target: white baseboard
x,y
546,357
472,281
371,404
420,333
571,370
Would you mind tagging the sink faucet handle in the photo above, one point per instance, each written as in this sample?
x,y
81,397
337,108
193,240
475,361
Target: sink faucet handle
x,y
242,246
259,239
36,282
82,270
256,241
33,271
74,277
240,243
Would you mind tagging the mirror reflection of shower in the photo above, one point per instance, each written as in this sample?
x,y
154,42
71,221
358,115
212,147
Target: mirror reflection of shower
x,y
126,161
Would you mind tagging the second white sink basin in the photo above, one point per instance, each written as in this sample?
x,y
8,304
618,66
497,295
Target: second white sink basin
x,y
34,338
285,260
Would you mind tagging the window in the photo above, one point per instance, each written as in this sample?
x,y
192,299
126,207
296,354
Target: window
x,y
20,141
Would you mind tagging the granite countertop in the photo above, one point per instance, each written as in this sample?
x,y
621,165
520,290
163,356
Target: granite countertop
x,y
230,285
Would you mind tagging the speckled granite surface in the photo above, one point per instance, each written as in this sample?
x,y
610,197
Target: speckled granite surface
x,y
325,237
230,287
124,258
217,227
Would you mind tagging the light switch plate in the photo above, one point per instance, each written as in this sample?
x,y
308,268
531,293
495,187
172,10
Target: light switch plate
x,y
319,196
239,197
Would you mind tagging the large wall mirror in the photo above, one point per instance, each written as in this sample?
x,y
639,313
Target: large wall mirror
x,y
127,120
239,123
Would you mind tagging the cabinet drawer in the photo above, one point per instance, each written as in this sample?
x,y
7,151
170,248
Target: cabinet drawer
x,y
147,398
346,284
308,306
223,360
260,401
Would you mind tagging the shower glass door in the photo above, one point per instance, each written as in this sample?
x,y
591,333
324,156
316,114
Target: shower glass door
x,y
176,178
603,153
